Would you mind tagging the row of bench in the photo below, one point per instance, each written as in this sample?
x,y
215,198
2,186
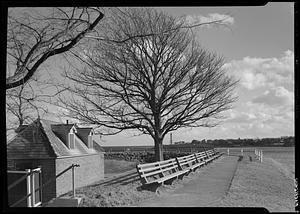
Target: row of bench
x,y
161,171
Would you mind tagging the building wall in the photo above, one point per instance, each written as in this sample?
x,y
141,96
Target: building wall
x,y
91,170
48,172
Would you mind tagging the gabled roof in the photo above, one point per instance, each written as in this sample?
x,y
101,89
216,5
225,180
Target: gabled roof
x,y
50,142
22,145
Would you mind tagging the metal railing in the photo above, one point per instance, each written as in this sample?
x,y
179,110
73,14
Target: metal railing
x,y
29,176
33,191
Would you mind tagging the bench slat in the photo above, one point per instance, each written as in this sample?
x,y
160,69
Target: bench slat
x,y
142,169
158,171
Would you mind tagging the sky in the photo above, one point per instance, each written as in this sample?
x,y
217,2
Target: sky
x,y
258,48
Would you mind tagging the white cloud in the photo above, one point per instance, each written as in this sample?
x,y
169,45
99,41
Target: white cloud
x,y
252,80
197,19
241,117
278,96
260,72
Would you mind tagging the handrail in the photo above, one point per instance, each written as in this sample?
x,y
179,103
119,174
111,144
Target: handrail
x,y
45,184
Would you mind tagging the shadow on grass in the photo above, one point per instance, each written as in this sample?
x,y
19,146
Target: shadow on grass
x,y
123,180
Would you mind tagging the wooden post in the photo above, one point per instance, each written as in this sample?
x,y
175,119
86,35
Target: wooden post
x,y
261,156
28,188
228,151
32,189
73,180
242,151
41,184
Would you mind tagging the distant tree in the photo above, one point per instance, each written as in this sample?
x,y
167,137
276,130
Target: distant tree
x,y
154,84
195,142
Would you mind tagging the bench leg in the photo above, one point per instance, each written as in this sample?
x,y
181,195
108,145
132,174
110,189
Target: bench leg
x,y
169,182
181,176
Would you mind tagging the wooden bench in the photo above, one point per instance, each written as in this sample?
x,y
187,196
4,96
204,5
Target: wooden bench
x,y
218,153
188,163
159,172
201,156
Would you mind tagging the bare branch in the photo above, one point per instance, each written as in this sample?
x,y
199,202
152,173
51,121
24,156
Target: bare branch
x,y
55,35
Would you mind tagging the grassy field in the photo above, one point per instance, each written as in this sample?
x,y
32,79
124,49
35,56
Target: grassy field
x,y
269,184
117,166
285,161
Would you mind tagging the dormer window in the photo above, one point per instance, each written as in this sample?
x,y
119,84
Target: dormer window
x,y
71,138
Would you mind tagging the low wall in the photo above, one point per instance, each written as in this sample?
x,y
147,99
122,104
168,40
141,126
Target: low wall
x,y
141,157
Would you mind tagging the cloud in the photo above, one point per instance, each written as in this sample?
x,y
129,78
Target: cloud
x,y
240,117
197,19
260,72
278,96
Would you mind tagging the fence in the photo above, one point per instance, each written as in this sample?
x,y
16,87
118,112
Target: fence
x,y
241,151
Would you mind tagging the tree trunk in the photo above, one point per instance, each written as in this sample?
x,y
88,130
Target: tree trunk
x,y
158,149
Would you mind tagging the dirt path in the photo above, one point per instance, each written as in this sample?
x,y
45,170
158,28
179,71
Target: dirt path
x,y
202,190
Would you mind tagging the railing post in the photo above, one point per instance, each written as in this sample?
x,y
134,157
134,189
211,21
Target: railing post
x,y
28,187
242,152
261,156
32,189
41,185
73,180
228,151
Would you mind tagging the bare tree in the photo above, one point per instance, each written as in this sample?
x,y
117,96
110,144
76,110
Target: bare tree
x,y
155,84
32,37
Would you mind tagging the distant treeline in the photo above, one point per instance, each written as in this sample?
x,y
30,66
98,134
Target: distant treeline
x,y
200,145
282,141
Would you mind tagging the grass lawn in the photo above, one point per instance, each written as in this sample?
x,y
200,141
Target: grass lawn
x,y
117,166
261,185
